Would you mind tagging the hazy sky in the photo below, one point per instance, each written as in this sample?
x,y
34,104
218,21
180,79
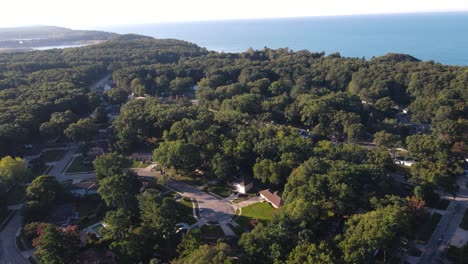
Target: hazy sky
x,y
98,13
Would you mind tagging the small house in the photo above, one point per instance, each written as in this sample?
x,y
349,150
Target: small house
x,y
273,198
243,185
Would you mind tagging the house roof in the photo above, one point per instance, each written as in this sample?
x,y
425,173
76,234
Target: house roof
x,y
273,198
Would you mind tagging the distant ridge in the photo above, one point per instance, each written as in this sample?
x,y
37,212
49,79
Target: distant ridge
x,y
39,36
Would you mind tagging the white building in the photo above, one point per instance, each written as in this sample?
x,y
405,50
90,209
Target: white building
x,y
242,185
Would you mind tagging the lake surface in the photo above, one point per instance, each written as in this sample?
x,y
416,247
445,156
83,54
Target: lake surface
x,y
442,37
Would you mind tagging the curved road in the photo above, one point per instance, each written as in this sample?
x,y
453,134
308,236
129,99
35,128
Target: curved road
x,y
214,209
9,252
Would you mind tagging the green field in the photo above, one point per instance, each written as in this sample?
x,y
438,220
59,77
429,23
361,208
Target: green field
x,y
259,211
77,166
53,155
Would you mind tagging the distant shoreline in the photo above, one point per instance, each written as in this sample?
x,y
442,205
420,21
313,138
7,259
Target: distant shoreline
x,y
77,44
426,36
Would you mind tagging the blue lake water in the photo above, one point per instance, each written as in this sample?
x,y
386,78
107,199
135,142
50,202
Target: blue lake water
x,y
442,37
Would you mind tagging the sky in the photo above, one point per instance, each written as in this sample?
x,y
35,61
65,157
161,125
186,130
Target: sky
x,y
89,14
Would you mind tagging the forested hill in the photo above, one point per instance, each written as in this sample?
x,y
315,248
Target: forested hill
x,y
33,85
38,36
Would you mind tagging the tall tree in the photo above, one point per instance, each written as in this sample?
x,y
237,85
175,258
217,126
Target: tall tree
x,y
108,164
120,190
221,253
83,130
58,246
312,254
13,170
44,189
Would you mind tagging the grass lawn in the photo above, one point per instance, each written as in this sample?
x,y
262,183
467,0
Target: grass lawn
x,y
53,155
236,229
186,212
78,166
464,222
442,204
197,209
212,231
220,190
259,211
16,195
458,255
135,164
427,228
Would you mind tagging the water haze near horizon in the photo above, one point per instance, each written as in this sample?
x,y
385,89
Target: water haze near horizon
x,y
441,37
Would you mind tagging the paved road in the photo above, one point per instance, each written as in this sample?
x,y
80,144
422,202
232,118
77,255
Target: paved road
x,y
214,209
446,228
9,252
440,239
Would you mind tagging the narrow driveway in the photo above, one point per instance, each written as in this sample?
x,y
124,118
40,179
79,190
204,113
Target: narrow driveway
x,y
212,208
9,252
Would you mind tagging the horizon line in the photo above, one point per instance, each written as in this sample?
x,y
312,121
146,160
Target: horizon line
x,y
95,27
289,17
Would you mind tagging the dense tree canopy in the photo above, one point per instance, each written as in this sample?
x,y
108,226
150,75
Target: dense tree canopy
x,y
289,120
